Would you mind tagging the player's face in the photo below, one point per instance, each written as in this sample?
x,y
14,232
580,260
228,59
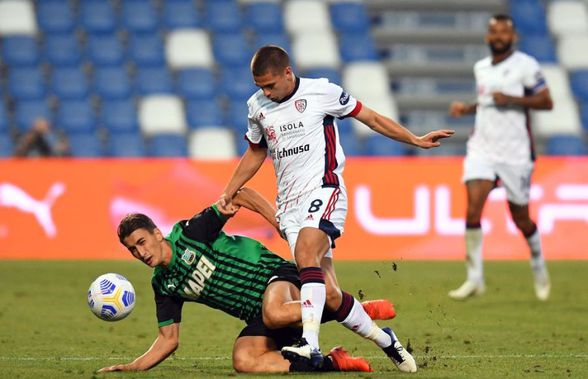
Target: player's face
x,y
500,36
276,85
146,246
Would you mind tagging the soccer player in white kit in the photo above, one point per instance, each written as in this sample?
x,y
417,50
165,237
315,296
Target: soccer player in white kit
x,y
293,119
509,83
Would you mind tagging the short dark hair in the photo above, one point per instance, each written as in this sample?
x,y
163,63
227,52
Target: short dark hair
x,y
269,58
132,222
504,18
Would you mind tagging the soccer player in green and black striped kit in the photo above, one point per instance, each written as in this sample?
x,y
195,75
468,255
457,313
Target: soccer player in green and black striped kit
x,y
237,275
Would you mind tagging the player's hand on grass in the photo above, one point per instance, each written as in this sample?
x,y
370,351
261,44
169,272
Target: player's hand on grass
x,y
431,139
114,368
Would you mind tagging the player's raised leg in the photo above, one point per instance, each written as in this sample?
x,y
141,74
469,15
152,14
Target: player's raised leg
x,y
281,301
353,315
477,193
521,218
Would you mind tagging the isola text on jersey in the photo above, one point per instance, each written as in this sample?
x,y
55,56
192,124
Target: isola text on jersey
x,y
291,125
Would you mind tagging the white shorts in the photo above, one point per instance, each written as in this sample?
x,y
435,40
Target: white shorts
x,y
516,179
323,208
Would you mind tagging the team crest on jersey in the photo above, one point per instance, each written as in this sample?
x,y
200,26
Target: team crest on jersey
x,y
188,256
300,105
271,133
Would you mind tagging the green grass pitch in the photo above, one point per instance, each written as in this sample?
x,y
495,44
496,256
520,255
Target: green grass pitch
x,y
47,330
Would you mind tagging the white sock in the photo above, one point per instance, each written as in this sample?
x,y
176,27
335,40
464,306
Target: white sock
x,y
312,301
537,261
474,263
359,322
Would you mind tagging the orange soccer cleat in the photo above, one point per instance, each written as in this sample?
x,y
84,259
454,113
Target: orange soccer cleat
x,y
379,309
342,361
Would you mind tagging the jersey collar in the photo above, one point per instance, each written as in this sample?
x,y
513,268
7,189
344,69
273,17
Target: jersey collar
x,y
293,92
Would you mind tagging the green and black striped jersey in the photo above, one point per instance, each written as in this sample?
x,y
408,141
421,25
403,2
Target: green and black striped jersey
x,y
226,272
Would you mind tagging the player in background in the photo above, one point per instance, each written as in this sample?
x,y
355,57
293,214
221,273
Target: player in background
x,y
293,119
509,83
237,275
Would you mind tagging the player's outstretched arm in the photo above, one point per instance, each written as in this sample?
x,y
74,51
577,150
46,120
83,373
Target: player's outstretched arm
x,y
431,139
253,200
391,129
165,344
248,166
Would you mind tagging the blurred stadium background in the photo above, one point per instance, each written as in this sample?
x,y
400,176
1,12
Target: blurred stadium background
x,y
141,78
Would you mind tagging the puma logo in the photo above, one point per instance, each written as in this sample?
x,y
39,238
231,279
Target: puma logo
x,y
14,196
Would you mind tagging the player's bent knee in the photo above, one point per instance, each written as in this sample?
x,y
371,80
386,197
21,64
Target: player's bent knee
x,y
279,318
243,361
242,367
272,320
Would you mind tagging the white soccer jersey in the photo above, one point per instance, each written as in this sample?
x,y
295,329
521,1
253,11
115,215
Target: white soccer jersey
x,y
503,134
301,135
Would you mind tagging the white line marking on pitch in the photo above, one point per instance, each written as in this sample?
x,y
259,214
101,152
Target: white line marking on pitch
x,y
226,358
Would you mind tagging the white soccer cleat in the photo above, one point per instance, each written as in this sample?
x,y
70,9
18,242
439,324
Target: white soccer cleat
x,y
398,354
542,285
467,289
302,350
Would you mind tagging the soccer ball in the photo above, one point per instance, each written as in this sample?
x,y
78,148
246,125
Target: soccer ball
x,y
111,297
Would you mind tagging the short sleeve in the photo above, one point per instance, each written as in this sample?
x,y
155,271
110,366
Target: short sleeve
x,y
254,133
338,103
533,79
168,309
205,226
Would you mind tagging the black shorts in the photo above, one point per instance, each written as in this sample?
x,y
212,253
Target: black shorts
x,y
287,272
281,337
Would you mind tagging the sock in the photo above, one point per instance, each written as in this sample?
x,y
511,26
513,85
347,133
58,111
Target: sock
x,y
474,263
534,242
312,301
328,316
352,315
